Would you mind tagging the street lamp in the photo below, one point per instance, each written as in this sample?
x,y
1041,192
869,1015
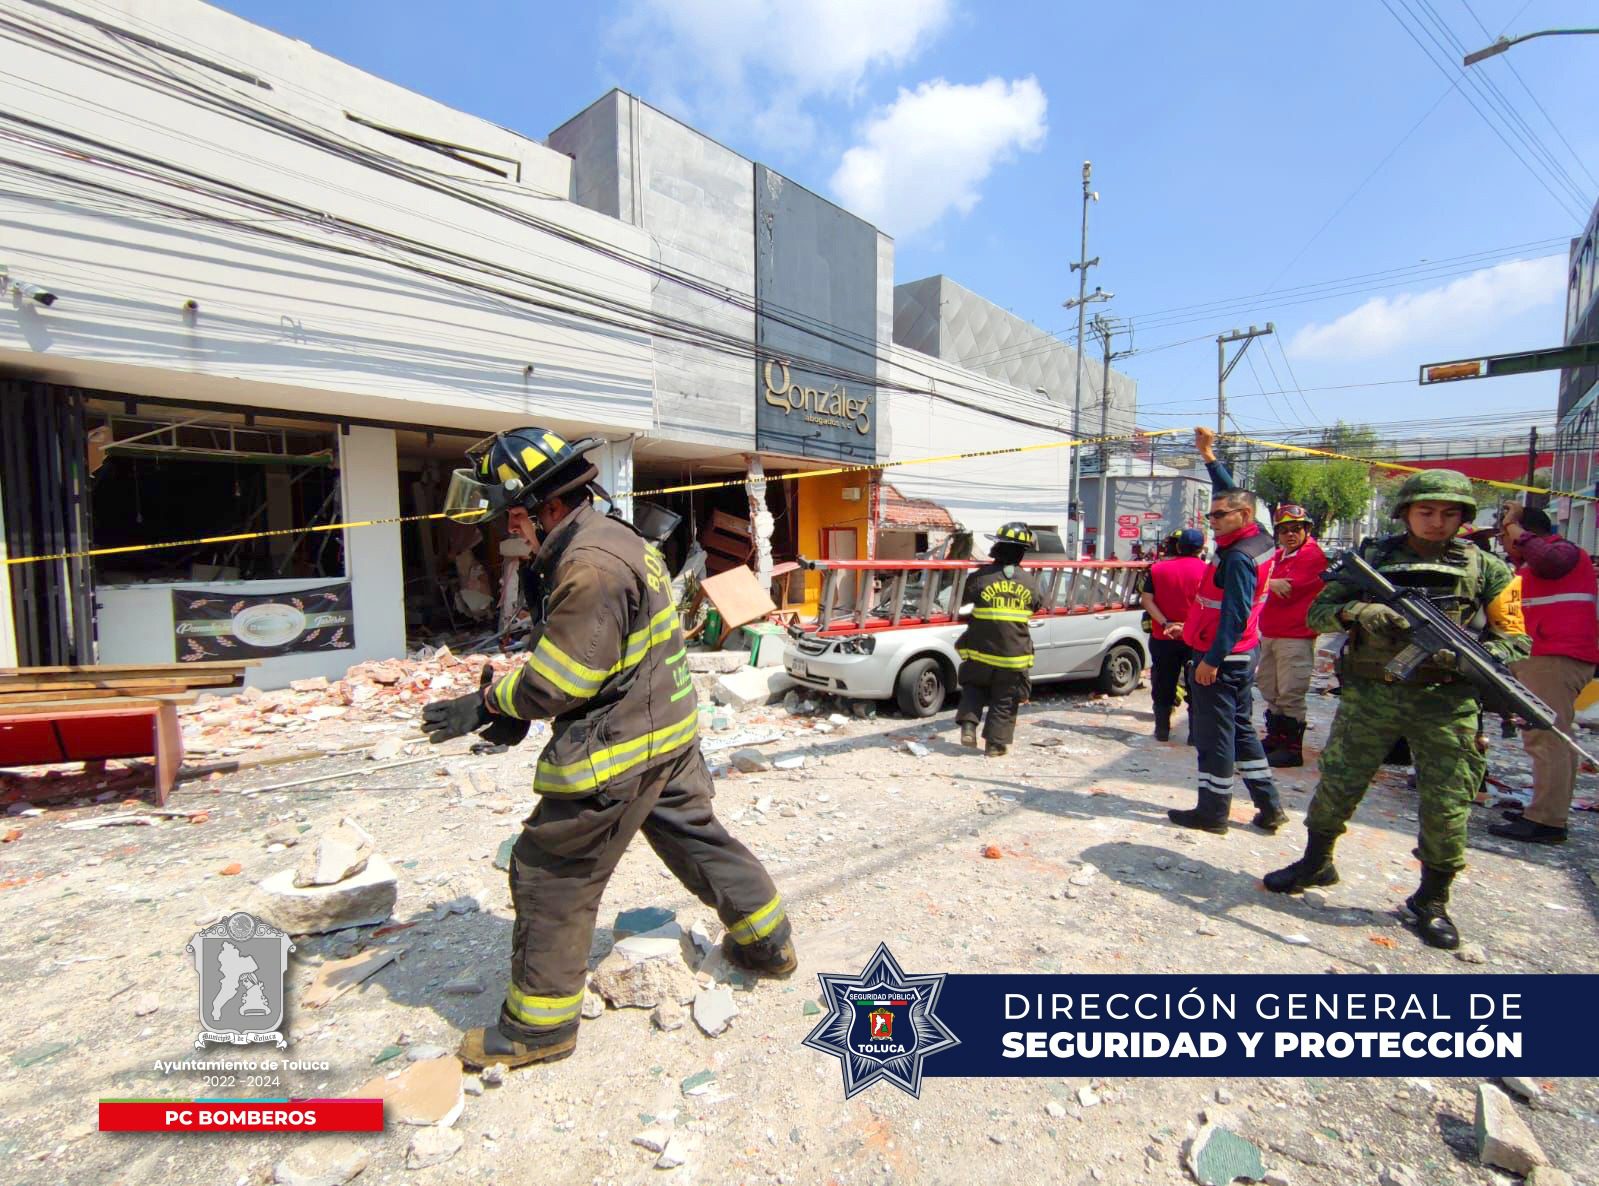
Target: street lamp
x,y
1505,43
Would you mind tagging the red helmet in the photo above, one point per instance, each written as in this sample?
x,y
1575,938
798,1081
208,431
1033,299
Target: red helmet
x,y
1291,513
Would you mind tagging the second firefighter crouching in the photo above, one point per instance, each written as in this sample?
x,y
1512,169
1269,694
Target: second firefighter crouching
x,y
608,668
1436,710
996,648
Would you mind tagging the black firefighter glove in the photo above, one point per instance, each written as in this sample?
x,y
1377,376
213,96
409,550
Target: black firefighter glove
x,y
506,731
460,715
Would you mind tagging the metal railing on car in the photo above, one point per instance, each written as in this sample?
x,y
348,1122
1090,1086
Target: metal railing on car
x,y
892,594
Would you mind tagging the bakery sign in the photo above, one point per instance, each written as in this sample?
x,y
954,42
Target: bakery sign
x,y
834,406
226,624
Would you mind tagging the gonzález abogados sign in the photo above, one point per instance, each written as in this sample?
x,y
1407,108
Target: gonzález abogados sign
x,y
832,406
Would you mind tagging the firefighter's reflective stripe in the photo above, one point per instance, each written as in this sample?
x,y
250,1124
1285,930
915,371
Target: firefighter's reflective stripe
x,y
994,614
1208,603
564,672
505,692
1008,662
1557,598
577,679
542,1011
763,922
579,778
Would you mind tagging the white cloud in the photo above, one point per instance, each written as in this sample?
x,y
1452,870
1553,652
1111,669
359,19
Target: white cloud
x,y
1457,311
763,59
931,149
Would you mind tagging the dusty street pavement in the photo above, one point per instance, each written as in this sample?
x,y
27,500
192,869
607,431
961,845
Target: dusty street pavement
x,y
868,842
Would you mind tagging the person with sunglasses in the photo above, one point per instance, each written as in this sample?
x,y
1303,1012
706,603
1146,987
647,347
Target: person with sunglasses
x,y
1223,631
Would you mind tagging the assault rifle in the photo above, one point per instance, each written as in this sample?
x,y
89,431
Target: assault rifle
x,y
1433,631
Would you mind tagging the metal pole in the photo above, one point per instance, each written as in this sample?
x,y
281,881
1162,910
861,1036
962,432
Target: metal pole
x,y
1074,506
1532,455
1221,384
1104,551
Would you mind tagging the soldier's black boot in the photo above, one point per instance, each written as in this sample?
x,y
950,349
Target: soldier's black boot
x,y
1311,871
969,734
1162,722
1290,749
1427,910
995,750
1209,815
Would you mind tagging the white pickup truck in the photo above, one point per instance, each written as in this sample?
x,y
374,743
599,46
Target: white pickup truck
x,y
886,630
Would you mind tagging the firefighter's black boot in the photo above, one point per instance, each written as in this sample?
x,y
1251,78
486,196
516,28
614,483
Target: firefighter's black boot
x,y
995,750
969,734
761,957
1310,871
1162,722
1290,749
1427,907
484,1047
1209,815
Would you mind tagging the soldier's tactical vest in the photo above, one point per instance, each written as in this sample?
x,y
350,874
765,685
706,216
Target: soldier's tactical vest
x,y
1452,582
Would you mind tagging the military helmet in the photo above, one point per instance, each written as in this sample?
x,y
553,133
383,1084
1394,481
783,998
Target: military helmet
x,y
1436,485
521,467
1016,533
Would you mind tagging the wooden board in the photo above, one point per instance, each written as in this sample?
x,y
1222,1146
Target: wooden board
x,y
738,597
134,684
66,707
133,668
9,697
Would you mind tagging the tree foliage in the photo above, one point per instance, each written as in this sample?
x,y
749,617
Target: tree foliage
x,y
1331,491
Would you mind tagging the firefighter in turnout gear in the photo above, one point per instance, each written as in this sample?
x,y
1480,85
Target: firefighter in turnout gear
x,y
996,648
608,669
1435,710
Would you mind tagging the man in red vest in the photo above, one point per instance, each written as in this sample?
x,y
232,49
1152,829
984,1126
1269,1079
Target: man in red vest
x,y
1288,652
1169,587
1560,600
1223,631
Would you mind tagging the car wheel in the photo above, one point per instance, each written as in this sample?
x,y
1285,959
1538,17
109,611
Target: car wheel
x,y
1119,673
921,688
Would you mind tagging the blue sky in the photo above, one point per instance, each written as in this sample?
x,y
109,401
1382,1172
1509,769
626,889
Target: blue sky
x,y
1237,148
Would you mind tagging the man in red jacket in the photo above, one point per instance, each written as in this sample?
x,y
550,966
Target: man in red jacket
x,y
1288,646
1560,600
1168,590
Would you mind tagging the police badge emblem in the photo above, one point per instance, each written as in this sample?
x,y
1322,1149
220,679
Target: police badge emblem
x,y
881,1024
242,963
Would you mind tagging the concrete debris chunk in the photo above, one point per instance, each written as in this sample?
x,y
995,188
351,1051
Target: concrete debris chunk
x,y
465,986
674,1155
1471,953
321,1161
363,900
714,1009
1503,1138
716,662
432,1146
389,747
1217,1156
752,687
425,1093
1527,1089
641,920
341,852
750,761
668,1016
654,1139
593,1005
644,974
1547,1175
145,1004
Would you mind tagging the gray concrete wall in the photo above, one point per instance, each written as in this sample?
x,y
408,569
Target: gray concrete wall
x,y
695,200
940,317
1180,502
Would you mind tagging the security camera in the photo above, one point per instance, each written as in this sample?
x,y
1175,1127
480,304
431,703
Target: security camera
x,y
33,291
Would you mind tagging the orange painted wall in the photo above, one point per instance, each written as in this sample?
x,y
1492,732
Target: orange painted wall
x,y
821,506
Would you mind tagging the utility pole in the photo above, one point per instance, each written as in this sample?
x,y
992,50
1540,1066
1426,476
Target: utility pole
x,y
1106,329
1225,368
1532,458
1074,506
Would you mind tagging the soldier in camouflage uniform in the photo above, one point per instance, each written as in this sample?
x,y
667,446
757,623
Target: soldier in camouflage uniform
x,y
1435,710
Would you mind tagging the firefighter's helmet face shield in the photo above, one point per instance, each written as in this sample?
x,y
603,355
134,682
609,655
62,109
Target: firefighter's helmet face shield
x,y
470,500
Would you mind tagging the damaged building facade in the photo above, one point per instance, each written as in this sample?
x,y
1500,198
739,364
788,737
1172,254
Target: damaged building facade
x,y
254,292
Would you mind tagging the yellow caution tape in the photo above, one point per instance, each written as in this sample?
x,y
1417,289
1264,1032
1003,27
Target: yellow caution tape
x,y
791,476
